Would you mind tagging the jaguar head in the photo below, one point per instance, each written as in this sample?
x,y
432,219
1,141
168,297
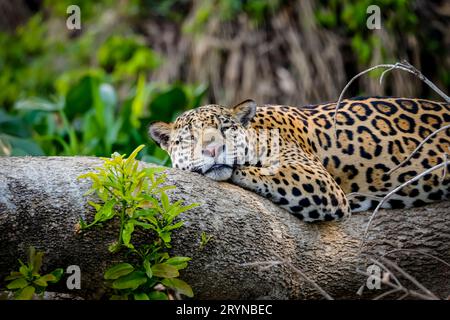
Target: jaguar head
x,y
210,140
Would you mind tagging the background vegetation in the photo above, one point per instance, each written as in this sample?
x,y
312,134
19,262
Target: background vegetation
x,y
94,91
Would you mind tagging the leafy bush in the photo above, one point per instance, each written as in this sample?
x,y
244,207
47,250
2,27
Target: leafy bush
x,y
137,198
28,281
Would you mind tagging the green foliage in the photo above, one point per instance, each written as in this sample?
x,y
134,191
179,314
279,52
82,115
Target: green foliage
x,y
350,17
89,121
226,10
137,198
126,56
65,95
28,281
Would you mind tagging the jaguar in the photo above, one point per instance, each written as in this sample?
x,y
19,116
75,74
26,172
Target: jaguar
x,y
297,158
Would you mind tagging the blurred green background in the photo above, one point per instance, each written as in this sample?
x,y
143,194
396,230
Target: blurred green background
x,y
94,91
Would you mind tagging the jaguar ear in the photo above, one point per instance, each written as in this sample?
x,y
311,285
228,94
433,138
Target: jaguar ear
x,y
160,132
245,111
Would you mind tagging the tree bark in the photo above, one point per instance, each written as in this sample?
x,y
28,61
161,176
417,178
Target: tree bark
x,y
41,202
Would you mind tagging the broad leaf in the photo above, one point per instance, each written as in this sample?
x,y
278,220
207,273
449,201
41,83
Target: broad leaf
x,y
118,271
40,282
13,275
130,281
164,270
106,212
25,294
178,285
17,284
157,295
57,274
148,268
24,270
37,262
36,103
178,262
141,296
165,236
127,232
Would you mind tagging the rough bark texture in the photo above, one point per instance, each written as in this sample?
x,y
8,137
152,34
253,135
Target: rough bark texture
x,y
41,201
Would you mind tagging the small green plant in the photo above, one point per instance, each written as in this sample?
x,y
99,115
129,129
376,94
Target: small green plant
x,y
137,197
28,281
204,239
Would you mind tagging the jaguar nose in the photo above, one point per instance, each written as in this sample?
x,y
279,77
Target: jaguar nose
x,y
213,150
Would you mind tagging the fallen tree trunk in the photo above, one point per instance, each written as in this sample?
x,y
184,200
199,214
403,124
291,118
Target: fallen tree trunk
x,y
41,201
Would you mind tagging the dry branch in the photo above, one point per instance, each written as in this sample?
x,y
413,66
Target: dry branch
x,y
41,201
405,66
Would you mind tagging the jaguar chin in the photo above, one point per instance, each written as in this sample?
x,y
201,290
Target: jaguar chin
x,y
219,172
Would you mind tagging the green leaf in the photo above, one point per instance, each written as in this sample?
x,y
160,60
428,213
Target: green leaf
x,y
141,296
83,224
174,226
80,97
96,206
150,172
178,285
19,146
134,154
143,225
106,212
17,284
164,270
24,270
91,175
114,247
130,281
13,275
31,255
37,262
118,271
40,282
186,208
49,278
167,103
148,268
178,262
139,101
57,274
36,103
165,236
127,232
25,294
157,295
165,202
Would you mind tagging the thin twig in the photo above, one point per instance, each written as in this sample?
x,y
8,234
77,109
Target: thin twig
x,y
419,176
405,66
426,80
418,251
418,147
409,277
444,170
392,275
403,296
427,295
384,294
408,292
